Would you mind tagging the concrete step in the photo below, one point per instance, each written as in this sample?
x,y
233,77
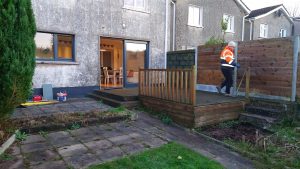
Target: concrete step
x,y
263,122
113,102
118,97
263,111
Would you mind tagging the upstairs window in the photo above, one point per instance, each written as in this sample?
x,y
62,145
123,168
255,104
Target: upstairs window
x,y
54,47
195,16
230,22
263,31
282,33
135,4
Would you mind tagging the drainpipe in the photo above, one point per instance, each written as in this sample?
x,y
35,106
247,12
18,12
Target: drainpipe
x,y
166,34
251,29
243,28
174,25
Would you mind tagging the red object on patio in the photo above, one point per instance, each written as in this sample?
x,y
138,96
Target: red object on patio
x,y
37,98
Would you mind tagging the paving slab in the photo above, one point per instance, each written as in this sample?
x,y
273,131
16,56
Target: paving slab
x,y
82,160
86,135
33,139
101,143
98,145
39,157
72,150
110,154
28,148
51,165
15,163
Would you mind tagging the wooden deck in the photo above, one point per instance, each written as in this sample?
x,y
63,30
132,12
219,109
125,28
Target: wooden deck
x,y
211,108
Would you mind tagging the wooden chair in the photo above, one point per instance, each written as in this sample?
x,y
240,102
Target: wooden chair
x,y
107,77
120,76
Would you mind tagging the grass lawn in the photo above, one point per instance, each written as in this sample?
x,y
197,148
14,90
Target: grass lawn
x,y
169,156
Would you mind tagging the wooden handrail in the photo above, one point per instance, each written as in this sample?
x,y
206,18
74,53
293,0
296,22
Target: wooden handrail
x,y
176,85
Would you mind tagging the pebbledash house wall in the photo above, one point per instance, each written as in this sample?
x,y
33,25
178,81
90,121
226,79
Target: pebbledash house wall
x,y
274,23
87,20
213,11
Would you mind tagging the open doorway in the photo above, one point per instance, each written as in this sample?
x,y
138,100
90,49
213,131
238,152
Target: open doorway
x,y
111,63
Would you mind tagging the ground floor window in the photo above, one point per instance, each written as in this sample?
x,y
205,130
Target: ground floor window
x,y
54,47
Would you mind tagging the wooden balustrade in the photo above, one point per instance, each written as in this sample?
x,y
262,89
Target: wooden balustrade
x,y
176,85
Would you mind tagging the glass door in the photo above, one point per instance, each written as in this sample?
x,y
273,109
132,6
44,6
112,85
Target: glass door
x,y
135,57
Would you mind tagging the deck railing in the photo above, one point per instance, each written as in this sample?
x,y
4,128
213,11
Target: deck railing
x,y
176,85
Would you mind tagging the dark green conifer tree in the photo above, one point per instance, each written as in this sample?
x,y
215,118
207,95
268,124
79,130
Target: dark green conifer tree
x,y
17,53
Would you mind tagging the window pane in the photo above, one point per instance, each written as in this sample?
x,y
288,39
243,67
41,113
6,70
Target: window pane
x,y
65,43
140,3
191,13
135,59
197,16
129,3
44,46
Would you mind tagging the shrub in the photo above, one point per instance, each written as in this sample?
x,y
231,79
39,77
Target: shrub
x,y
17,53
215,41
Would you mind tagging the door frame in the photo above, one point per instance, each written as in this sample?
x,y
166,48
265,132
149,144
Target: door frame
x,y
146,60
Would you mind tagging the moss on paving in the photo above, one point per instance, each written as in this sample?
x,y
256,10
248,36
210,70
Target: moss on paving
x,y
169,156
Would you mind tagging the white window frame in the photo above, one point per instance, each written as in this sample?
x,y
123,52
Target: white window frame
x,y
193,15
230,23
135,7
283,33
263,30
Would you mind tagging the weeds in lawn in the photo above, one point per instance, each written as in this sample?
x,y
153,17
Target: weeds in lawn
x,y
21,136
229,124
278,150
43,133
165,118
75,126
119,109
5,157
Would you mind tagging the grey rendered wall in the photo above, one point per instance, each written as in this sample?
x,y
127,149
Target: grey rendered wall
x,y
213,11
88,20
297,27
247,31
274,23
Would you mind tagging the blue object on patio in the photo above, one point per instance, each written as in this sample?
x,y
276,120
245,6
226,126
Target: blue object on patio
x,y
47,91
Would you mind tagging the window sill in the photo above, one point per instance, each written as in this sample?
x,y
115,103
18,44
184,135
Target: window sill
x,y
136,10
196,26
56,62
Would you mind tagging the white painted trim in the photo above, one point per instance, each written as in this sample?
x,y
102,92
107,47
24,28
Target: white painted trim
x,y
7,144
244,6
274,10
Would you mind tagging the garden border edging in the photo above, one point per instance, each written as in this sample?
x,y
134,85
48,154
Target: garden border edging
x,y
8,143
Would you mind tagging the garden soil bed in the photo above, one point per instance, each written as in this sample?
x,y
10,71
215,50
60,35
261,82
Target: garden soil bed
x,y
236,132
63,121
7,129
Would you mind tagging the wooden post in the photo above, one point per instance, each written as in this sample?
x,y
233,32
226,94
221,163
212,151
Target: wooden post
x,y
235,71
140,82
193,86
248,74
295,68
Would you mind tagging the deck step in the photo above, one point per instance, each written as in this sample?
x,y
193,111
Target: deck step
x,y
111,95
113,102
258,120
264,111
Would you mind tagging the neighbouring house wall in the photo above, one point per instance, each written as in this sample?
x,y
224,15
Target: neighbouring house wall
x,y
247,31
188,36
297,27
274,23
270,60
88,20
